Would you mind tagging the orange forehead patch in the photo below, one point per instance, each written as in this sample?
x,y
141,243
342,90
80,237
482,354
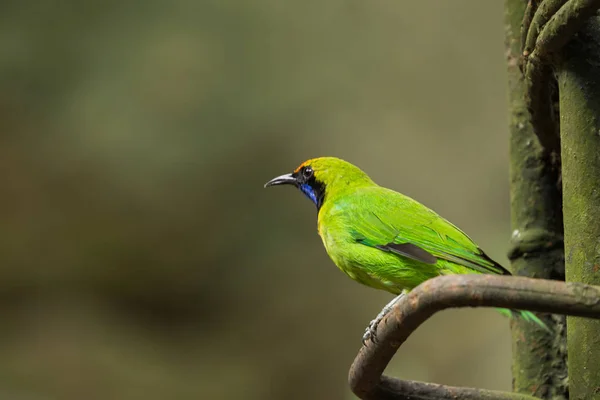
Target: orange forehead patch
x,y
302,165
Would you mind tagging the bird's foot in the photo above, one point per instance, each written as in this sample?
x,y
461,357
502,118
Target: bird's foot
x,y
371,331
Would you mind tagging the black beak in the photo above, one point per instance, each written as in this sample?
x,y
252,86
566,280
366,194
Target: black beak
x,y
287,179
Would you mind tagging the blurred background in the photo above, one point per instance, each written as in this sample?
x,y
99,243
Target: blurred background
x,y
140,256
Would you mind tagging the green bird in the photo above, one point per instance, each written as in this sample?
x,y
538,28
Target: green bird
x,y
384,239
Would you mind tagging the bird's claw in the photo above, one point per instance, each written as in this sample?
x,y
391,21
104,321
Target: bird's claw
x,y
371,331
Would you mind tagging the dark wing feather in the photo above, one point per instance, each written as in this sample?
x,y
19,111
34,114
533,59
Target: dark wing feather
x,y
409,250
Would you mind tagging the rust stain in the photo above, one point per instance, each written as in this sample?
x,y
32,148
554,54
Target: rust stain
x,y
533,389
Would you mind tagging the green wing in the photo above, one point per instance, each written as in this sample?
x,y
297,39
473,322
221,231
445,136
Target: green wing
x,y
394,223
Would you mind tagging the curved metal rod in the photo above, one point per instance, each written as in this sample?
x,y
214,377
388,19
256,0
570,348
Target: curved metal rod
x,y
553,24
452,291
540,17
563,25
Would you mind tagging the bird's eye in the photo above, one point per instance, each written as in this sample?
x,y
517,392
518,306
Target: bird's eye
x,y
307,173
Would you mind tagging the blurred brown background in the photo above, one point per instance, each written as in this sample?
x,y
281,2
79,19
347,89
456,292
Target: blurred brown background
x,y
141,257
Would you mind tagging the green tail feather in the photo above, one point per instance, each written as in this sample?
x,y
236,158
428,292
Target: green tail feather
x,y
525,315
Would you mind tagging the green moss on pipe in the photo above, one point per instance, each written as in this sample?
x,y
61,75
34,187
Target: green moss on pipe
x,y
579,86
539,359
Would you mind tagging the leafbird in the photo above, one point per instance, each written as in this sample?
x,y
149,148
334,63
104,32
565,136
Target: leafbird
x,y
382,238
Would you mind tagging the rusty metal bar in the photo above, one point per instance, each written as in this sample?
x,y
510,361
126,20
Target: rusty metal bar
x,y
366,373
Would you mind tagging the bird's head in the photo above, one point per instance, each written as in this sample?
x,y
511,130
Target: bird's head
x,y
323,177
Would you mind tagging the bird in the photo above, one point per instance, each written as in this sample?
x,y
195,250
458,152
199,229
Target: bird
x,y
382,238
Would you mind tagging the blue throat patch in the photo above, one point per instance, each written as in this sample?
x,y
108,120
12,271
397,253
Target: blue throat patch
x,y
310,193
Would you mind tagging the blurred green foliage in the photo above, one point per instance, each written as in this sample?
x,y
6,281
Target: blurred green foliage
x,y
140,256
